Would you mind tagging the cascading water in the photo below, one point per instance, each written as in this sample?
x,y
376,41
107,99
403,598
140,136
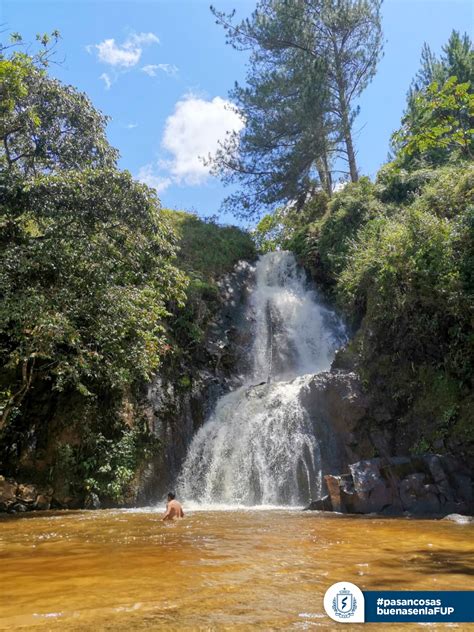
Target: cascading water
x,y
260,445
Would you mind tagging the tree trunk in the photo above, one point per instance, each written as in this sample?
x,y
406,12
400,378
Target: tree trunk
x,y
346,131
344,113
324,176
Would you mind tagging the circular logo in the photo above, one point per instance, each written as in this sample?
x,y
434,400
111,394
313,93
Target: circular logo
x,y
344,602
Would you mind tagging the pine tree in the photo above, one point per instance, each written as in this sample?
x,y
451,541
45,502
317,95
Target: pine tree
x,y
309,62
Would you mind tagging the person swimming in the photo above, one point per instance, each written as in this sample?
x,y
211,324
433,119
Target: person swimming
x,y
173,508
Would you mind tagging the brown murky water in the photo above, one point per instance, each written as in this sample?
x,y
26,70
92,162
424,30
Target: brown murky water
x,y
214,570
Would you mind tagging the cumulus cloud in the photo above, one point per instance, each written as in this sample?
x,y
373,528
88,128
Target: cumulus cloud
x,y
191,133
125,55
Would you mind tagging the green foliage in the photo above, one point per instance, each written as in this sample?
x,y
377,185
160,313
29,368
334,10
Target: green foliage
x,y
46,126
439,126
309,62
206,252
103,465
406,271
208,249
349,211
286,228
87,261
86,275
400,186
268,233
113,462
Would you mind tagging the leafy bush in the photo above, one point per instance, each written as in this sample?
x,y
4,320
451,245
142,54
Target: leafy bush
x,y
349,210
400,186
438,127
409,275
207,251
206,248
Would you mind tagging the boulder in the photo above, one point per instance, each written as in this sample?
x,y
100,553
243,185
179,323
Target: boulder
x,y
27,494
43,502
459,519
419,485
322,504
8,490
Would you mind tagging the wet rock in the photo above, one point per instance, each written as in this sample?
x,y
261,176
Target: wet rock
x,y
418,485
176,409
323,504
459,519
43,502
337,406
92,501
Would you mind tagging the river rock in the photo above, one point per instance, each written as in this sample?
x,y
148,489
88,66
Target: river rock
x,y
323,504
27,494
92,501
8,489
418,485
459,519
43,502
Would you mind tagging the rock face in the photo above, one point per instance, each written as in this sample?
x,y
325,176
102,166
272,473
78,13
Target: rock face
x,y
323,504
337,405
423,485
176,408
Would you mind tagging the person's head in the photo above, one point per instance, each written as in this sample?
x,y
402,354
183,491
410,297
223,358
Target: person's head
x,y
171,496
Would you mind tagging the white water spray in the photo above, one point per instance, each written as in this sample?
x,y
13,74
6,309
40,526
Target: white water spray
x,y
260,446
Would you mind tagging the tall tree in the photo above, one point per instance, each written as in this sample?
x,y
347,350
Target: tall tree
x,y
286,144
86,257
324,53
456,60
438,124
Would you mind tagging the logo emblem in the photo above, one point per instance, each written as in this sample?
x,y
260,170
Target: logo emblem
x,y
344,604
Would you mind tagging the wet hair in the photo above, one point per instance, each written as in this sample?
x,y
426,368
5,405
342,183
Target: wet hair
x,y
171,496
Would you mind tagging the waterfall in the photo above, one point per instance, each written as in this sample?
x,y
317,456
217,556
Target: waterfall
x,y
260,446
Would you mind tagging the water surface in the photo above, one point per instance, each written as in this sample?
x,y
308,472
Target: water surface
x,y
215,570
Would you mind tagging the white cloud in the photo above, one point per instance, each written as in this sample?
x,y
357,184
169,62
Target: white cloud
x,y
169,69
124,55
131,125
106,79
147,175
152,69
191,133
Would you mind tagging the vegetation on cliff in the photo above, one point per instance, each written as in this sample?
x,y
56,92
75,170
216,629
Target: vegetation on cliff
x,y
99,287
398,257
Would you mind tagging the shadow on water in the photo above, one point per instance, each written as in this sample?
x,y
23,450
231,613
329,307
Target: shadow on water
x,y
445,562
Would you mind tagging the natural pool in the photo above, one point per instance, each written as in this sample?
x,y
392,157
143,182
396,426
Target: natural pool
x,y
216,569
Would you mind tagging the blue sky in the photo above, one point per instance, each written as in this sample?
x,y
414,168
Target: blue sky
x,y
162,71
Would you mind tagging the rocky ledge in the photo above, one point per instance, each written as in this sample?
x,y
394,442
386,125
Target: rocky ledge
x,y
16,498
426,485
